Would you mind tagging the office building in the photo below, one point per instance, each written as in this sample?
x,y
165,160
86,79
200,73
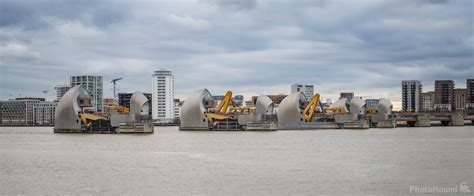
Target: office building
x,y
427,101
460,98
19,110
60,91
93,85
444,95
162,96
307,89
411,95
43,113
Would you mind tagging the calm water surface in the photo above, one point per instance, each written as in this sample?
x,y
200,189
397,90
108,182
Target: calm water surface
x,y
170,162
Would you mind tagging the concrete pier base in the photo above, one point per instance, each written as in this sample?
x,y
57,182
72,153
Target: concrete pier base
x,y
423,121
68,131
359,124
386,124
256,126
457,120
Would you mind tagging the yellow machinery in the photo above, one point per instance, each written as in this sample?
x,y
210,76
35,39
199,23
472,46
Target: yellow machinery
x,y
311,108
370,111
222,107
220,113
336,110
241,109
225,112
121,109
88,118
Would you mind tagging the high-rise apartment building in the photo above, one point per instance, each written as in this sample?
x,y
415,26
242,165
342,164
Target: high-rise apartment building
x,y
411,95
470,96
444,95
94,85
460,98
163,95
61,90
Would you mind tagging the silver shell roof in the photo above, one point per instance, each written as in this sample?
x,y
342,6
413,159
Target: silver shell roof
x,y
139,104
384,109
66,114
384,106
264,105
357,106
289,112
192,111
340,103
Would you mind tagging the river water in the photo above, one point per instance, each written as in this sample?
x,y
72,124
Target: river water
x,y
34,160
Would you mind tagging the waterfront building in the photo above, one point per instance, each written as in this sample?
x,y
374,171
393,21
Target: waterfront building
x,y
427,101
19,110
444,95
94,86
124,99
61,90
43,113
162,96
460,98
411,95
348,95
371,103
307,89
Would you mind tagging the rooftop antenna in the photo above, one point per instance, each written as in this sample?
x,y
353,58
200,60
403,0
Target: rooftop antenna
x,y
114,81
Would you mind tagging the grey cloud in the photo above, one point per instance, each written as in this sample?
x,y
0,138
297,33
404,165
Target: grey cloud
x,y
246,46
236,4
36,14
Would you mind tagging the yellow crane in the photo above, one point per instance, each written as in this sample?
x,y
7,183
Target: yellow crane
x,y
220,113
311,108
224,104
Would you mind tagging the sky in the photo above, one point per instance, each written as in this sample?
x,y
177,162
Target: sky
x,y
251,47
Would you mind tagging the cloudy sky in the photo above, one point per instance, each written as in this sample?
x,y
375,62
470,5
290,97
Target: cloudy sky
x,y
248,46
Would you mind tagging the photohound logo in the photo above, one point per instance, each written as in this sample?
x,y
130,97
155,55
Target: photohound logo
x,y
461,188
